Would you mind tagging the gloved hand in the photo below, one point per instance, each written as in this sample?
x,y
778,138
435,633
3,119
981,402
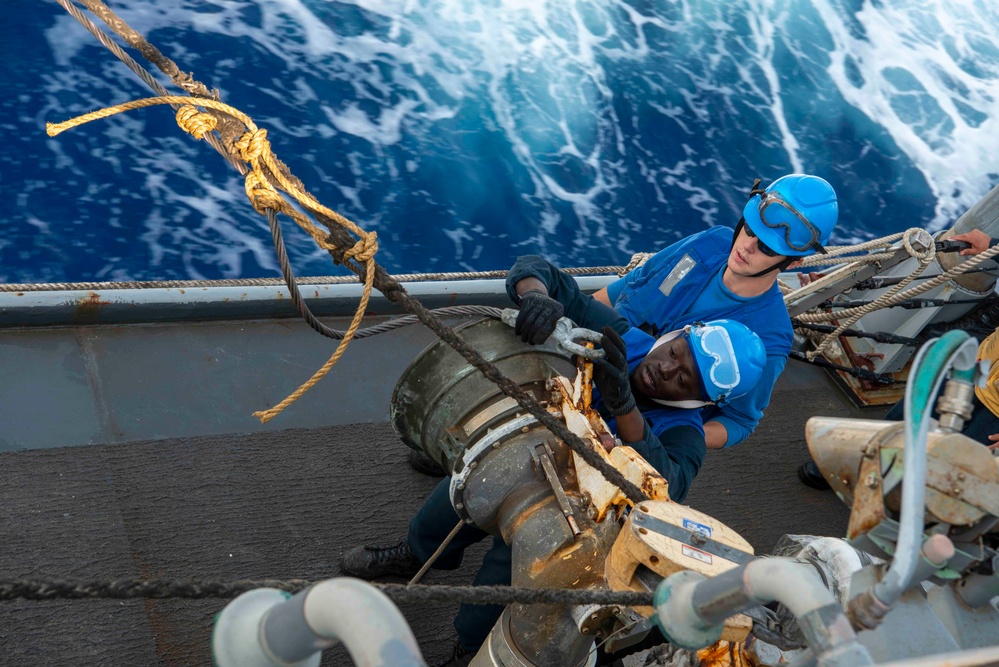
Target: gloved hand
x,y
611,375
538,315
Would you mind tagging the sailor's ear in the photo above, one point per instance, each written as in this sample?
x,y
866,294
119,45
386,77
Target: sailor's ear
x,y
793,265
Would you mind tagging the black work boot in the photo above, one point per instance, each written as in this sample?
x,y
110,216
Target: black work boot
x,y
810,475
372,562
460,657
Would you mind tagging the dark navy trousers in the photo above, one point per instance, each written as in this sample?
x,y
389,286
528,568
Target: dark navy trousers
x,y
426,532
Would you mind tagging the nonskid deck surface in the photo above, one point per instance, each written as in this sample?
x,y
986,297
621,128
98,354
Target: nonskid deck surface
x,y
285,505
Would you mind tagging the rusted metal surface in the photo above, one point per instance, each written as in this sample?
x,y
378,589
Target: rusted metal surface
x,y
838,445
725,654
864,392
88,308
584,371
868,508
962,480
543,458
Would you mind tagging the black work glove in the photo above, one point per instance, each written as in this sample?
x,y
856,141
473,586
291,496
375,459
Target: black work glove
x,y
537,318
611,376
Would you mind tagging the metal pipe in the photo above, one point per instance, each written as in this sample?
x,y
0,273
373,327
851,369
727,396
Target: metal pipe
x,y
267,628
867,610
939,356
187,303
690,609
978,589
760,581
955,406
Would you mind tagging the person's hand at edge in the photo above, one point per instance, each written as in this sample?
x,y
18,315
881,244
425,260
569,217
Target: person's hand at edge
x,y
809,278
611,376
539,313
979,240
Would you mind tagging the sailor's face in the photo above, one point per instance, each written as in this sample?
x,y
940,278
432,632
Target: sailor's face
x,y
669,372
746,258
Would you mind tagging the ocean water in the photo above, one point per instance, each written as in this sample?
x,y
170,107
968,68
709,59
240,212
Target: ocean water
x,y
467,132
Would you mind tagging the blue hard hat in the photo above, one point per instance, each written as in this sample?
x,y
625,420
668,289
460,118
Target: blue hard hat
x,y
729,356
794,216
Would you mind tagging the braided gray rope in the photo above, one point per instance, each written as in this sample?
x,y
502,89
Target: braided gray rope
x,y
278,282
406,320
839,254
131,589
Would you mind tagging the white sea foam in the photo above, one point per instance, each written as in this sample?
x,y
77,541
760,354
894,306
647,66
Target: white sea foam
x,y
928,73
598,103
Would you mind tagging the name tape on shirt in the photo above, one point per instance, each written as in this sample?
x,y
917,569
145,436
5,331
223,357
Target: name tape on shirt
x,y
678,273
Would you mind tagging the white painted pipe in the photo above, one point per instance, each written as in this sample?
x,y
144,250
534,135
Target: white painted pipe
x,y
267,628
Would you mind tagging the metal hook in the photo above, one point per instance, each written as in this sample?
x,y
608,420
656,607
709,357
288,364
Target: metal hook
x,y
566,334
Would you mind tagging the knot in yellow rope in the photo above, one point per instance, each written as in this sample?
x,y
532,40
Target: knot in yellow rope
x,y
262,194
364,249
197,123
254,148
253,144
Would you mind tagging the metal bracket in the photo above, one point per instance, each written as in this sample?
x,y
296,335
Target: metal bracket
x,y
959,484
543,458
868,500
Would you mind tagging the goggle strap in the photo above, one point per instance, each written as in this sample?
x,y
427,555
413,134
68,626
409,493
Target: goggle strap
x,y
779,266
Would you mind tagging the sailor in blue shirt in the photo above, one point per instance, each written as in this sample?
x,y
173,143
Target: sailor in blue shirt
x,y
719,273
672,376
648,389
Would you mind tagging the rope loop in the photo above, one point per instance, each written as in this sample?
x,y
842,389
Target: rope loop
x,y
253,144
923,238
262,194
194,122
364,249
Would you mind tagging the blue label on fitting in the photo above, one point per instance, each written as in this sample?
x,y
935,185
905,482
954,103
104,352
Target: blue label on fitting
x,y
693,526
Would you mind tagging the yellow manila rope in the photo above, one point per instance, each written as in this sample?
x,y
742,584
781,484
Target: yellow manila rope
x,y
254,148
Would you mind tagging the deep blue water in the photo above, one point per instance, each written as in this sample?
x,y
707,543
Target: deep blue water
x,y
466,132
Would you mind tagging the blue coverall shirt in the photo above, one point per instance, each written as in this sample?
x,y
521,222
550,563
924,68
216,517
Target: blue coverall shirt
x,y
683,284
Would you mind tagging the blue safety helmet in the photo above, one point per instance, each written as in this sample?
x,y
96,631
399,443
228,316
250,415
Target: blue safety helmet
x,y
729,358
794,216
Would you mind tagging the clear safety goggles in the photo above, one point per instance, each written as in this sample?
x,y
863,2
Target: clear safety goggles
x,y
773,203
714,342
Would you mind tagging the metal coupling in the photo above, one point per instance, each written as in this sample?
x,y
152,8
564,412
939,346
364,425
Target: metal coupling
x,y
866,611
955,405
